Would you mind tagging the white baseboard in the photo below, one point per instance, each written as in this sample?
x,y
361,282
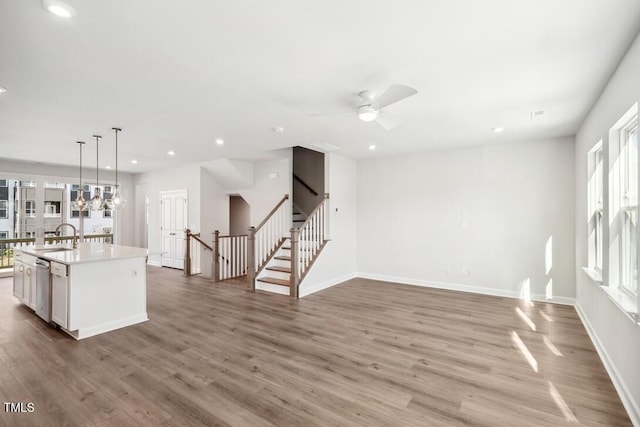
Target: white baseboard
x,y
466,288
618,382
154,263
107,327
304,291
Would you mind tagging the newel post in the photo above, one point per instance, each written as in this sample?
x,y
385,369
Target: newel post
x,y
187,258
294,280
251,258
216,256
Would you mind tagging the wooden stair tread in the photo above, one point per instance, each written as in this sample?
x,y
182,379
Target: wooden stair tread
x,y
280,269
274,281
283,258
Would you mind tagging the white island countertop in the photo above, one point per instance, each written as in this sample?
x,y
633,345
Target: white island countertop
x,y
86,252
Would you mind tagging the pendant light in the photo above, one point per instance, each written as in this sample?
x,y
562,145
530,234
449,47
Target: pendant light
x,y
80,204
96,203
116,201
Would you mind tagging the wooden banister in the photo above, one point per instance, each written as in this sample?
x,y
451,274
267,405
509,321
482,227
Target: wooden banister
x,y
273,211
326,196
305,185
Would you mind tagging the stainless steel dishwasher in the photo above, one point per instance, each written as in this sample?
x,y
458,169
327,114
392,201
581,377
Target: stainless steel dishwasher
x,y
43,289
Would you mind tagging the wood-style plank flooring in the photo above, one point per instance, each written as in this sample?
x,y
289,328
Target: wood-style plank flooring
x,y
361,353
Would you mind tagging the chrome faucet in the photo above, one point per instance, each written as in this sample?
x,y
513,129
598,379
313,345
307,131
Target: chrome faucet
x,y
75,233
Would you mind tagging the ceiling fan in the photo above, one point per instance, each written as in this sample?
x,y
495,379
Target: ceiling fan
x,y
370,107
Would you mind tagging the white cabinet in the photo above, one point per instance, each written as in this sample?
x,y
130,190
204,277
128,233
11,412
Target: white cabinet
x,y
24,279
29,297
18,279
59,294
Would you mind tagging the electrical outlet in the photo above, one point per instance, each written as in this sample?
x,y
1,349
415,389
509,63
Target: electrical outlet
x,y
466,271
134,273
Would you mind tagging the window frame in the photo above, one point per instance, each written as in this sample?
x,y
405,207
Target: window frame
x,y
628,283
5,209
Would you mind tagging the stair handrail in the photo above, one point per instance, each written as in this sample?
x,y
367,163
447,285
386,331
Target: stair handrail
x,y
187,261
259,249
305,185
313,212
315,238
273,211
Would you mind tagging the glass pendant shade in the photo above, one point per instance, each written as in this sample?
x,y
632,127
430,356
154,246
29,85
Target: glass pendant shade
x,y
96,203
117,201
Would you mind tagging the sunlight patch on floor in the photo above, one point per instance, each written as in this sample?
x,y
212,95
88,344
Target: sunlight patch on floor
x,y
555,395
551,346
524,350
526,319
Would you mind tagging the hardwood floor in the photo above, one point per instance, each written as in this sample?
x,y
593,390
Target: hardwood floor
x,y
360,353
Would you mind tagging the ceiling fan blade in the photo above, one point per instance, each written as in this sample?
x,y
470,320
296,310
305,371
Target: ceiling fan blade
x,y
392,95
335,113
386,121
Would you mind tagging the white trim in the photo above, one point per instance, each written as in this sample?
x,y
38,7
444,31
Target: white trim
x,y
269,287
154,263
594,275
304,291
467,288
618,382
107,327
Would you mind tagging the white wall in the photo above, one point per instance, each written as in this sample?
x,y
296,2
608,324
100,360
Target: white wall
x,y
615,335
266,192
178,178
426,218
214,215
56,173
337,262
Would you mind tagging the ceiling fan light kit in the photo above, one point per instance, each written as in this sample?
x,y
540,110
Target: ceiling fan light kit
x,y
370,108
367,114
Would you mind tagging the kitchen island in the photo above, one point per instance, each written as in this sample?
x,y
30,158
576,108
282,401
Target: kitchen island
x,y
95,288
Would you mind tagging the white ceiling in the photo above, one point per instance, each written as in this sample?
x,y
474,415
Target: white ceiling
x,y
176,75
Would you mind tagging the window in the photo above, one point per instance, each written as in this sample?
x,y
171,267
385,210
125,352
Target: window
x,y
52,209
85,187
107,213
3,183
629,206
595,206
4,234
76,214
4,211
30,209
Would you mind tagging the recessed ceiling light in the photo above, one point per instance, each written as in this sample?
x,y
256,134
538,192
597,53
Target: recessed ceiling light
x,y
171,153
372,147
278,129
59,8
219,141
108,167
134,161
498,129
3,89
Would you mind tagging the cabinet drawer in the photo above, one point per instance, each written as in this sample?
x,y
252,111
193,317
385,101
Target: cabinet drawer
x,y
59,269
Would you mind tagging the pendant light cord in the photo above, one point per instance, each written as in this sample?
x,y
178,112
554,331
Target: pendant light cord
x,y
81,143
97,137
117,130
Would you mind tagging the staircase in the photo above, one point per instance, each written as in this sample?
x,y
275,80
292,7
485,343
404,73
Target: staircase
x,y
288,263
276,276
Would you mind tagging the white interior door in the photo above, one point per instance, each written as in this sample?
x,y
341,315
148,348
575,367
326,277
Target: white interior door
x,y
173,223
